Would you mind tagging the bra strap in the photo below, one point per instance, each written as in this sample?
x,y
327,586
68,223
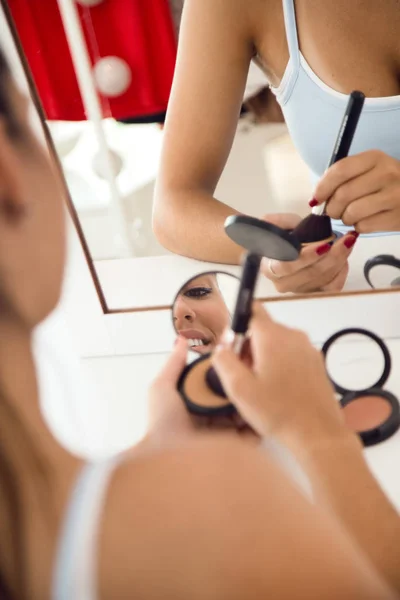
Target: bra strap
x,y
289,12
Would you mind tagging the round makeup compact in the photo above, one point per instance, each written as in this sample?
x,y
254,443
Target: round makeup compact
x,y
370,411
201,390
382,271
266,239
262,238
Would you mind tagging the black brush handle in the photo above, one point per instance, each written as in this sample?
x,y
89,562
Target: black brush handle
x,y
348,127
242,314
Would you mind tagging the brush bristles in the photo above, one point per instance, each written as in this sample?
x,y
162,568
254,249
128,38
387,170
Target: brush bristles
x,y
314,228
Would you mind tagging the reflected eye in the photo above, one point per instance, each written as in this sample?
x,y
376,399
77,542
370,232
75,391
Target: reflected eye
x,y
198,292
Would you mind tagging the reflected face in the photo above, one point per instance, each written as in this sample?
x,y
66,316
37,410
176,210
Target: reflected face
x,y
200,313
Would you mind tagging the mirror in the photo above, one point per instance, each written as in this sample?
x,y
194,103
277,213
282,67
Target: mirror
x,y
203,309
345,358
382,271
102,102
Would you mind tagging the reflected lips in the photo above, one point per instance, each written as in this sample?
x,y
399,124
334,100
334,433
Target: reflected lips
x,y
193,336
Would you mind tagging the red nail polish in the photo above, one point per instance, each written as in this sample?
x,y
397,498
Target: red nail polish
x,y
350,241
313,203
323,249
355,234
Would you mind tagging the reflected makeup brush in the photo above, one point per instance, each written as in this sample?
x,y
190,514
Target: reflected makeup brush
x,y
199,384
241,316
317,227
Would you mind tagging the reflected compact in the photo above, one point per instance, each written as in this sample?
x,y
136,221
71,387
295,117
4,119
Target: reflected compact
x,y
382,271
371,412
199,385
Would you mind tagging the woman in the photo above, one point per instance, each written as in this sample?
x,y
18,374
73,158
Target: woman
x,y
200,313
314,54
133,527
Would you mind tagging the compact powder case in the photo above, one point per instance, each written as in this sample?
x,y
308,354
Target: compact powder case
x,y
374,265
372,413
268,240
198,383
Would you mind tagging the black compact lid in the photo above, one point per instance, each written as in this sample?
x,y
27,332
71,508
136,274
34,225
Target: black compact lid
x,y
382,346
382,260
262,238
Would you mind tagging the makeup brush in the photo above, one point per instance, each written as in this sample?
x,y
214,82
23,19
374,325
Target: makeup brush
x,y
317,227
241,316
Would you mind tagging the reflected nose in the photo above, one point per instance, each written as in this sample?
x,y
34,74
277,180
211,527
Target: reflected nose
x,y
184,315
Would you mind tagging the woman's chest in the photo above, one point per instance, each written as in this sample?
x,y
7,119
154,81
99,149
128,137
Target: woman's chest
x,y
348,45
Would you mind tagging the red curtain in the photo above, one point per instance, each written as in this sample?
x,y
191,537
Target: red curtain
x,y
140,32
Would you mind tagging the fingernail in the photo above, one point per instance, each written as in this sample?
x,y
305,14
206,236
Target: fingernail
x,y
323,249
350,241
313,203
355,234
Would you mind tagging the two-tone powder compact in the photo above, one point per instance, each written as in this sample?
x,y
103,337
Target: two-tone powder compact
x,y
382,271
199,385
369,410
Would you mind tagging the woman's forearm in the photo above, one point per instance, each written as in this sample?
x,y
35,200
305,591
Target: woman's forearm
x,y
192,224
342,481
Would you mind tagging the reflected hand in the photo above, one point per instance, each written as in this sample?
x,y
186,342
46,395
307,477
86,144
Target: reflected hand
x,y
168,415
363,191
286,391
320,267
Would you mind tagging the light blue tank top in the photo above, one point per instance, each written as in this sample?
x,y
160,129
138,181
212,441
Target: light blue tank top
x,y
75,572
313,111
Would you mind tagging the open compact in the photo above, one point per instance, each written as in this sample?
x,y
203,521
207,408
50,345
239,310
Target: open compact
x,y
266,239
382,271
369,410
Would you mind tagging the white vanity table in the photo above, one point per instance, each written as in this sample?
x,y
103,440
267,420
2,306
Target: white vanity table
x,y
145,337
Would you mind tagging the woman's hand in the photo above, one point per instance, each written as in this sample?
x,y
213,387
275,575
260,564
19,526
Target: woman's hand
x,y
286,392
168,417
320,267
363,191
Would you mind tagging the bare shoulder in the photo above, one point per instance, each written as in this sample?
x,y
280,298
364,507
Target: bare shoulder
x,y
216,518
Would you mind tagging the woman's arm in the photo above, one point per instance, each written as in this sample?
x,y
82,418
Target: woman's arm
x,y
214,518
302,412
342,481
214,54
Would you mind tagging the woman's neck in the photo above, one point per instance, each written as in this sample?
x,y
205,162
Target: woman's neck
x,y
36,473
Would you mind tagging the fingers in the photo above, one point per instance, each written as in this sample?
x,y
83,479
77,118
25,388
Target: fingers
x,y
384,221
312,272
174,366
338,281
283,220
343,171
237,379
309,255
347,194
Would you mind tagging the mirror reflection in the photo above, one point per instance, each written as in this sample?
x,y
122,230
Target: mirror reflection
x,y
203,308
345,360
382,271
156,175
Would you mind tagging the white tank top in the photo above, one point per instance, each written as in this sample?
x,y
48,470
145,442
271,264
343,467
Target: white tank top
x,y
75,574
313,112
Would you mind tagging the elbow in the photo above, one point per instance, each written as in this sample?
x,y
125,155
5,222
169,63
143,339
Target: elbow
x,y
162,219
